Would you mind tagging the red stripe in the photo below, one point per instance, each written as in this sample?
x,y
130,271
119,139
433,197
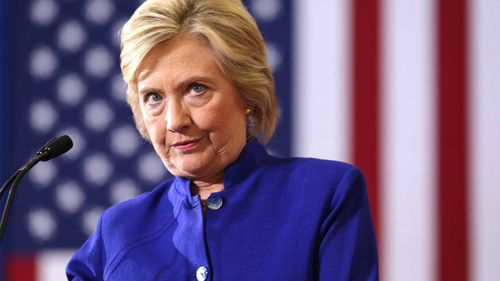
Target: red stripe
x,y
365,102
452,140
21,268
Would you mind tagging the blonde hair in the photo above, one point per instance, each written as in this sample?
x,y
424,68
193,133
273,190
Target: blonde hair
x,y
230,31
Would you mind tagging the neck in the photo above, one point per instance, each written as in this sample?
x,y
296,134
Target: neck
x,y
206,187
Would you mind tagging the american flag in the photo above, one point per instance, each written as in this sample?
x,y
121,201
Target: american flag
x,y
407,90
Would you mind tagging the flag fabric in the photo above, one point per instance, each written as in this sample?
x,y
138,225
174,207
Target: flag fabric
x,y
409,91
63,77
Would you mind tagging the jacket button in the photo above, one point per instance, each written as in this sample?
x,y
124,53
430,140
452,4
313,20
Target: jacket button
x,y
214,203
201,273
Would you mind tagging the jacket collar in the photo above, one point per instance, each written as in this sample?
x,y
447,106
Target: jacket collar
x,y
251,157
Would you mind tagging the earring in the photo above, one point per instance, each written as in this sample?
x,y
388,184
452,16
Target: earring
x,y
251,122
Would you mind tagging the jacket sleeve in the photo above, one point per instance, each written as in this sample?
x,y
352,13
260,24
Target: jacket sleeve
x,y
348,249
87,262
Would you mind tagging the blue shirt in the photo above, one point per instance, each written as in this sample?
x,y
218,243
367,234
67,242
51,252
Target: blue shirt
x,y
276,219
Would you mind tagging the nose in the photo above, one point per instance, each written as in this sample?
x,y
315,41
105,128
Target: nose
x,y
178,116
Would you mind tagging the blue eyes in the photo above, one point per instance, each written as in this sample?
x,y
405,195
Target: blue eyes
x,y
194,90
152,98
197,89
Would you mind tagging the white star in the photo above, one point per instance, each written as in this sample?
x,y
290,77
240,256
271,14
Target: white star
x,y
71,36
78,142
273,55
43,12
98,62
151,168
118,88
69,197
70,89
97,169
43,63
98,115
41,224
90,218
123,190
99,11
115,31
42,116
266,10
43,174
125,140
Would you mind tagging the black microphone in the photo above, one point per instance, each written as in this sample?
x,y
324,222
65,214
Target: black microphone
x,y
52,149
55,147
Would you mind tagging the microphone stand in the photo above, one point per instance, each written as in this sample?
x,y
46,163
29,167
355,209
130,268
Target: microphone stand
x,y
9,182
52,149
14,180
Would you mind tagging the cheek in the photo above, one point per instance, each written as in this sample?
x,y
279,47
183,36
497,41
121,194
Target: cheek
x,y
218,121
157,137
157,132
155,127
229,128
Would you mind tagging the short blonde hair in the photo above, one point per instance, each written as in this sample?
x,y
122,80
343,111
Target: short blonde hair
x,y
230,31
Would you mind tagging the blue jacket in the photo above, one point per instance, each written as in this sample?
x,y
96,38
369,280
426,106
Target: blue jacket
x,y
277,219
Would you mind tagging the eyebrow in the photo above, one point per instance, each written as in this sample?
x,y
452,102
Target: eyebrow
x,y
195,78
182,85
146,90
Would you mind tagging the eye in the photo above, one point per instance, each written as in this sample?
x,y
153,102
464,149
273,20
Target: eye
x,y
152,98
196,89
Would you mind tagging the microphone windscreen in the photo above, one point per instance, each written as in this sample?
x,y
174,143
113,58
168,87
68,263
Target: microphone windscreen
x,y
55,147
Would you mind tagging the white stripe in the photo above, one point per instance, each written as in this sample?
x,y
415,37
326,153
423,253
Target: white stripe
x,y
485,140
408,107
51,265
321,104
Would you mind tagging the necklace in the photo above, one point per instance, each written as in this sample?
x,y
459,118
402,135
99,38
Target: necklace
x,y
204,205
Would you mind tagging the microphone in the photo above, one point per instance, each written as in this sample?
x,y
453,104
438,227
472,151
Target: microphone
x,y
55,147
52,149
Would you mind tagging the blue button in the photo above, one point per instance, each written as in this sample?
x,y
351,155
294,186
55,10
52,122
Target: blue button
x,y
201,273
214,203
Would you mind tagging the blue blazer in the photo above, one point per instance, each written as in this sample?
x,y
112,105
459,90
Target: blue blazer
x,y
276,219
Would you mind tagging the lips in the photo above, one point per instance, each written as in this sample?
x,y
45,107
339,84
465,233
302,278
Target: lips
x,y
186,145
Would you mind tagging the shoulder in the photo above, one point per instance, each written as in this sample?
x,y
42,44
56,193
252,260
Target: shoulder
x,y
322,166
312,180
337,188
137,215
119,229
315,171
136,205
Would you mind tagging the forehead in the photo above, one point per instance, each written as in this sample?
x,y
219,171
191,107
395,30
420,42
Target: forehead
x,y
180,53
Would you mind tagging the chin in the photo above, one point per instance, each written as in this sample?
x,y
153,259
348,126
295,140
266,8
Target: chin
x,y
188,170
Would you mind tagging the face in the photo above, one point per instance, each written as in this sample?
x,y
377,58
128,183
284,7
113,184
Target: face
x,y
193,114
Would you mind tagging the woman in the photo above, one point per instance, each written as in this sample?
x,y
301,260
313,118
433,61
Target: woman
x,y
202,93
